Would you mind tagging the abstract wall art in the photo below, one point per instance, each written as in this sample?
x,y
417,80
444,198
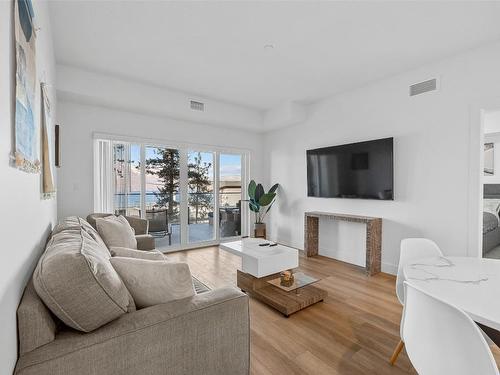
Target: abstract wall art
x,y
27,132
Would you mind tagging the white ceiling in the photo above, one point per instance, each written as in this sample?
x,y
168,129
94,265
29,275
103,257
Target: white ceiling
x,y
216,49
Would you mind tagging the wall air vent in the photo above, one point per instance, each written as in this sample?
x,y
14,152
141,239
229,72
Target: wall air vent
x,y
425,86
197,106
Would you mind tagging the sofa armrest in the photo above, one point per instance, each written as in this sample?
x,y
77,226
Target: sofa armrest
x,y
140,225
145,242
206,334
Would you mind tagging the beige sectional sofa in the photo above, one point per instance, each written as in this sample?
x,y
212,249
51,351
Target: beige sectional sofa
x,y
205,334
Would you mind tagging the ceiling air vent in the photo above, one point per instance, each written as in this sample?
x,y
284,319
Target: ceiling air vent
x,y
197,106
425,86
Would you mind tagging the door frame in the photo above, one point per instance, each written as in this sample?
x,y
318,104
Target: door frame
x,y
476,165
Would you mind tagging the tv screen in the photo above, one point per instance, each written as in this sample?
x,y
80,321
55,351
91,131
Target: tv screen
x,y
356,170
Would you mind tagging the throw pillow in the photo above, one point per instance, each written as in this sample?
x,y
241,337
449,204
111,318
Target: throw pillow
x,y
151,282
138,254
76,281
116,232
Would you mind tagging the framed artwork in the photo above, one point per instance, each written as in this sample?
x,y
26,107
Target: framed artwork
x,y
57,146
27,133
48,188
489,159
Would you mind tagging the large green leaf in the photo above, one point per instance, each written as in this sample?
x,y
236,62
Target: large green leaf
x,y
251,189
274,188
266,199
254,207
259,192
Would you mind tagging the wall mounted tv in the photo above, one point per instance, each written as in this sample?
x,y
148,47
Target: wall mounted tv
x,y
355,170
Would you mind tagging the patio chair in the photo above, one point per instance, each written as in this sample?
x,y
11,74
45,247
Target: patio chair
x,y
229,220
158,223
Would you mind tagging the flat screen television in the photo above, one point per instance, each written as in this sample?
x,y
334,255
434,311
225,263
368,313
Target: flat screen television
x,y
356,170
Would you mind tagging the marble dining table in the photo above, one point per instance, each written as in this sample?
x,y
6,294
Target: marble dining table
x,y
471,284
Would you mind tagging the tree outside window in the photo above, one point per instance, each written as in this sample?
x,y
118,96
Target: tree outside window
x,y
200,187
165,165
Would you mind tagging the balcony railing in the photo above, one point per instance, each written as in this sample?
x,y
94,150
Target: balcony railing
x,y
130,204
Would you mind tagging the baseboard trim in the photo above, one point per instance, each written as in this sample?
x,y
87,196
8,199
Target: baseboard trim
x,y
389,268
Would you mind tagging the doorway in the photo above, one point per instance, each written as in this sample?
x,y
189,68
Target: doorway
x,y
490,184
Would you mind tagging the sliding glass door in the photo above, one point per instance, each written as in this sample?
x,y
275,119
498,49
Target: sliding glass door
x,y
230,183
191,196
162,194
127,185
200,196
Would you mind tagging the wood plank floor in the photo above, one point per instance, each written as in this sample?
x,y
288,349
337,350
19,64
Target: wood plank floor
x,y
354,331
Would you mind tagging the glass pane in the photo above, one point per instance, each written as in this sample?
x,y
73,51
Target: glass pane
x,y
230,195
127,181
201,196
162,195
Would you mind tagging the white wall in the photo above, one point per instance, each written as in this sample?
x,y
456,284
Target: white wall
x,y
492,121
122,94
26,220
432,146
79,121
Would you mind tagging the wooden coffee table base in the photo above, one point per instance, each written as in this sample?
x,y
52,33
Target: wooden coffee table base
x,y
286,303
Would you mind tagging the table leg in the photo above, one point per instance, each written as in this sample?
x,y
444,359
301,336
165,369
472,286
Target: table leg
x,y
493,334
311,235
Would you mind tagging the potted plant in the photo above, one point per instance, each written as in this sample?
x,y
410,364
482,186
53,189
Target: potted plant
x,y
258,202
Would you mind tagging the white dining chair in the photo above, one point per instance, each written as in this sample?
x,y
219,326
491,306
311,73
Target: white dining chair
x,y
411,250
441,339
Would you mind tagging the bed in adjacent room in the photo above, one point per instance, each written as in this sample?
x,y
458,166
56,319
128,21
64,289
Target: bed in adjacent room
x,y
491,221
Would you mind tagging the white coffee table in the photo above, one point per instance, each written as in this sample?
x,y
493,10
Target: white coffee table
x,y
261,267
260,261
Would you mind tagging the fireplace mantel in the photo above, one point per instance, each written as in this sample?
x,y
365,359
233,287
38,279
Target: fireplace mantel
x,y
373,236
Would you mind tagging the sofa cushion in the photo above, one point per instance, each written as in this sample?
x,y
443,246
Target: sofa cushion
x,y
77,282
75,222
116,232
152,282
138,254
